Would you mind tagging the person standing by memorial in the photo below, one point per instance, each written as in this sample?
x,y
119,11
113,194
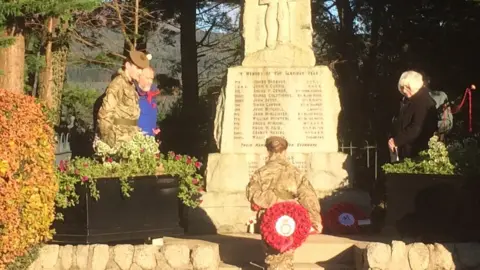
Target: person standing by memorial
x,y
147,92
278,181
416,121
119,113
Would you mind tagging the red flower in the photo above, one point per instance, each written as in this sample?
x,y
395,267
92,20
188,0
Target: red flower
x,y
62,166
189,160
302,228
156,131
178,157
76,171
84,178
109,160
195,181
198,164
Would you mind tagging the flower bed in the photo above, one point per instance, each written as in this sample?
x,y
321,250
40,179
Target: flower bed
x,y
151,211
114,175
426,197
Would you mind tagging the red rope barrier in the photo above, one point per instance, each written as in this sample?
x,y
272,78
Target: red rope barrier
x,y
468,93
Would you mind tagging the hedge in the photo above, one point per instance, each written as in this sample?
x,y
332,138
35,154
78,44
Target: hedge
x,y
27,180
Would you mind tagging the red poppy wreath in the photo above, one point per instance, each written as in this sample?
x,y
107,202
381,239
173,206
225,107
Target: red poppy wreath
x,y
344,218
285,226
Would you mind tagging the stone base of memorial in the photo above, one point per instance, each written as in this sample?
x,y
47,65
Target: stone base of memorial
x,y
151,211
432,207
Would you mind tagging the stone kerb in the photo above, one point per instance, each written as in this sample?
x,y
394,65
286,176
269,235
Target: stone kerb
x,y
128,257
419,256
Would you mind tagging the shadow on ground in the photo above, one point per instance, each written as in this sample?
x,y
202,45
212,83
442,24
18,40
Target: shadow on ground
x,y
233,248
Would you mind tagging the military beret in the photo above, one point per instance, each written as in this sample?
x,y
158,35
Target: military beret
x,y
139,59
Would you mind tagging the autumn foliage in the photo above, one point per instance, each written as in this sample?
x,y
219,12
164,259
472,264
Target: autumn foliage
x,y
27,180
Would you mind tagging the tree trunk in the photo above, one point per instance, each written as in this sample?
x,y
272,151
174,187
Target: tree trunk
x,y
188,49
46,74
52,76
12,65
59,67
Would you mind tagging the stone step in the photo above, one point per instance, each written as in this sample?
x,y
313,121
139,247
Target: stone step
x,y
297,266
240,249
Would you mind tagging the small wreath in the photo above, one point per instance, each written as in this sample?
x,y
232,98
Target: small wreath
x,y
285,226
343,218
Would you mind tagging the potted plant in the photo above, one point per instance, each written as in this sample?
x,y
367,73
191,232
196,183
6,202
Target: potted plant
x,y
428,195
126,193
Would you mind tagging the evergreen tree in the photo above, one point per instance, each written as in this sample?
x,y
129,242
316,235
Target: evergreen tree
x,y
20,17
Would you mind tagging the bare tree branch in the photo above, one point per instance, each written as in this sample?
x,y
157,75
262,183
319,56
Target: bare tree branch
x,y
122,24
207,33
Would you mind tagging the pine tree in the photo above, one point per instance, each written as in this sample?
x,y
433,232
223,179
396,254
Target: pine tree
x,y
17,18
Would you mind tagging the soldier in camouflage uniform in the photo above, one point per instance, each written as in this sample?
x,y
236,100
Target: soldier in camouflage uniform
x,y
279,181
119,113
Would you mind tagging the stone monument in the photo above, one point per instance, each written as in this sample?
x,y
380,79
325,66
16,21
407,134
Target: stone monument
x,y
278,90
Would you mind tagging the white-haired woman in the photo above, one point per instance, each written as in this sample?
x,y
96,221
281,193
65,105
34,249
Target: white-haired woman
x,y
416,121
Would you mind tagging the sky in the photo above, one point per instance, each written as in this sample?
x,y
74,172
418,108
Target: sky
x,y
232,11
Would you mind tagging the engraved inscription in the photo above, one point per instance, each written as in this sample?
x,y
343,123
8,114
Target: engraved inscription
x,y
278,103
298,160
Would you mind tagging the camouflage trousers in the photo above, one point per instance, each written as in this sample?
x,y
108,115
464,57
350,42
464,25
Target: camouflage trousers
x,y
276,260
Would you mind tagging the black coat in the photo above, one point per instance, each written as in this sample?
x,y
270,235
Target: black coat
x,y
415,124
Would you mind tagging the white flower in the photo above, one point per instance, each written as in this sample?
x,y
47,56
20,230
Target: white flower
x,y
252,220
149,57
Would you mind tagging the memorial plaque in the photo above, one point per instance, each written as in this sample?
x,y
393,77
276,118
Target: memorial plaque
x,y
288,102
298,160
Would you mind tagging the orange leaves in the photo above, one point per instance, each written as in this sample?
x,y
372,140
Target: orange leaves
x,y
27,180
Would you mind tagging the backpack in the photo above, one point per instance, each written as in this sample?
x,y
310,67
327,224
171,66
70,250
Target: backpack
x,y
444,112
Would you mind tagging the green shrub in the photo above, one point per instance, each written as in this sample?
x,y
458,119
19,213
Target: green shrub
x,y
27,179
79,102
461,158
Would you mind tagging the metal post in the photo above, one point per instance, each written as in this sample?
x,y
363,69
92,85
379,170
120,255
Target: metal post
x,y
376,162
368,154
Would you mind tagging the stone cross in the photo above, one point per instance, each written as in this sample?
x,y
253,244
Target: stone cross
x,y
277,22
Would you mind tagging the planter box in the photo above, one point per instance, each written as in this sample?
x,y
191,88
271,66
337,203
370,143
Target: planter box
x,y
432,207
152,211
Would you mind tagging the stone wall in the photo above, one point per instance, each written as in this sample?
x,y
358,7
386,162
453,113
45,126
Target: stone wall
x,y
418,256
127,257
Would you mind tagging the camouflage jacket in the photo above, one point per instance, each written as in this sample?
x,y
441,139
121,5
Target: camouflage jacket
x,y
279,181
119,113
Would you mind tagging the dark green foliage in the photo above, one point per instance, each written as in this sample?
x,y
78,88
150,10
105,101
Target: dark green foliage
x,y
78,102
375,41
461,158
